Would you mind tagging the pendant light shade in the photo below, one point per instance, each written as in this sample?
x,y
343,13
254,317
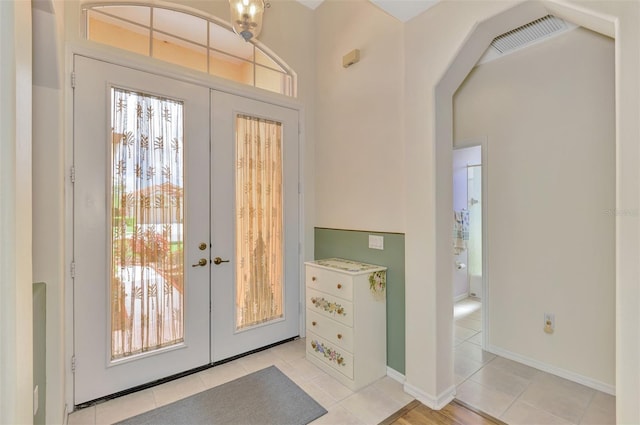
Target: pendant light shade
x,y
246,17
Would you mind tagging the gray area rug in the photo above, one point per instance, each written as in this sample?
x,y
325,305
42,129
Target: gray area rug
x,y
261,398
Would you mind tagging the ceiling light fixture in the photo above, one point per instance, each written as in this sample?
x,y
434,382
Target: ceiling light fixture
x,y
246,17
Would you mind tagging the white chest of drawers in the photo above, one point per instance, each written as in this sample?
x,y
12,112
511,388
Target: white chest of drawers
x,y
346,320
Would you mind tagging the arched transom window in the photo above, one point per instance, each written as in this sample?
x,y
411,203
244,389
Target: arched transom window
x,y
188,40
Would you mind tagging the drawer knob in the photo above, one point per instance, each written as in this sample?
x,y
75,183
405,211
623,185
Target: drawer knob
x,y
339,336
339,285
313,323
313,278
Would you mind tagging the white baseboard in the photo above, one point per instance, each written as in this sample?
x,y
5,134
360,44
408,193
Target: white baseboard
x,y
435,403
563,373
460,297
395,375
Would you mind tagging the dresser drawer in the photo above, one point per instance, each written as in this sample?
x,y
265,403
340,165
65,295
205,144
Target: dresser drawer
x,y
330,306
329,354
334,332
331,282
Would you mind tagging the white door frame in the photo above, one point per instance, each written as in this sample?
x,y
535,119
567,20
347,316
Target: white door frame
x,y
482,141
152,66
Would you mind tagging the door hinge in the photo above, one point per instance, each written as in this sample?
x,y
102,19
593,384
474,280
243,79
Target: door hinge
x,y
73,364
72,174
73,79
72,269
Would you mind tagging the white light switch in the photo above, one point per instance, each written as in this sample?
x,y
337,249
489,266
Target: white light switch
x,y
376,242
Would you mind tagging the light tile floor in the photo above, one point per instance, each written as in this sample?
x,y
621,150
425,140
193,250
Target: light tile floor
x,y
513,392
370,405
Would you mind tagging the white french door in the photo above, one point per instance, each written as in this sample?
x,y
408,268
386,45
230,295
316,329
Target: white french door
x,y
255,224
158,322
157,197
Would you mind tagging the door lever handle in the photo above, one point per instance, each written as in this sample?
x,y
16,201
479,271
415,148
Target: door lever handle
x,y
201,263
219,260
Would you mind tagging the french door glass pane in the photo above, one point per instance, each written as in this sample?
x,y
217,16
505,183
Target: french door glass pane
x,y
117,32
147,217
271,80
259,221
181,52
183,25
230,67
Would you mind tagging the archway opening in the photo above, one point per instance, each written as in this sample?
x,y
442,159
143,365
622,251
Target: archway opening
x,y
471,51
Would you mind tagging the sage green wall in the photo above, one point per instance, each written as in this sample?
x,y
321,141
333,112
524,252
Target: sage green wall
x,y
354,245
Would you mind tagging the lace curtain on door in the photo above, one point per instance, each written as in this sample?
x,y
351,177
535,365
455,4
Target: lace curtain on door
x,y
259,231
147,223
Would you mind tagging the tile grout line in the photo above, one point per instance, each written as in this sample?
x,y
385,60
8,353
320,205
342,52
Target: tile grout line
x,y
530,381
584,412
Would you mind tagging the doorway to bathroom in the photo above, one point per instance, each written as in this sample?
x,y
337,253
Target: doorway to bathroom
x,y
468,288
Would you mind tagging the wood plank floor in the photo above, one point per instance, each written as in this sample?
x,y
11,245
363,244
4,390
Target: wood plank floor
x,y
454,413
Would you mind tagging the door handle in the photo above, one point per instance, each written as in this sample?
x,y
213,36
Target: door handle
x,y
201,263
219,260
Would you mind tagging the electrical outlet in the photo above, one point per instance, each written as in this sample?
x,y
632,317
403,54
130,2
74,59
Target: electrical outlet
x,y
376,242
35,400
549,322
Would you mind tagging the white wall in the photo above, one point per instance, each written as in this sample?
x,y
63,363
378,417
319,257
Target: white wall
x,y
548,112
461,158
16,329
359,155
48,202
433,73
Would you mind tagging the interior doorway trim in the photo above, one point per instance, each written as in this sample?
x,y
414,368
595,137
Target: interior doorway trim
x,y
482,141
150,66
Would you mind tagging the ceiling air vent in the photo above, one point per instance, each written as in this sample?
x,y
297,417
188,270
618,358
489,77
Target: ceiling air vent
x,y
524,36
529,33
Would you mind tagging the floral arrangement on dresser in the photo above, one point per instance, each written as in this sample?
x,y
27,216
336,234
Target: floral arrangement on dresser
x,y
378,283
328,352
329,307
